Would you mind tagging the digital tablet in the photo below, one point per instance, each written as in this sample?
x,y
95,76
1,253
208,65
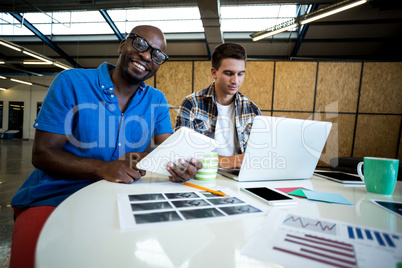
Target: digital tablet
x,y
392,206
184,144
341,177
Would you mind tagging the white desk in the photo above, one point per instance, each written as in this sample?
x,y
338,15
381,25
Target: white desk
x,y
84,230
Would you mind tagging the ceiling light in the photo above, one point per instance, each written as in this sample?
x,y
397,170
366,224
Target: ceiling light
x,y
2,62
325,12
2,88
6,44
268,33
36,56
37,62
22,82
62,66
316,15
44,59
2,77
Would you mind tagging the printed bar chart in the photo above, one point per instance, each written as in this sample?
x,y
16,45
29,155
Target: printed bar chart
x,y
377,237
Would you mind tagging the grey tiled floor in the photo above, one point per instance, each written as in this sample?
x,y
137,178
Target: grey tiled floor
x,y
15,167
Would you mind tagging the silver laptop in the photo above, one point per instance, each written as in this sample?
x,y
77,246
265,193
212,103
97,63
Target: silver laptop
x,y
281,149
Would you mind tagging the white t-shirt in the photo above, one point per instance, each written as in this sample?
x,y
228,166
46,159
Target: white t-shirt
x,y
225,130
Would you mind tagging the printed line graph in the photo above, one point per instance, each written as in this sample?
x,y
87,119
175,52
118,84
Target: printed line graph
x,y
310,224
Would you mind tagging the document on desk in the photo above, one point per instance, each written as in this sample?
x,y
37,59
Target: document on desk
x,y
151,209
297,241
184,144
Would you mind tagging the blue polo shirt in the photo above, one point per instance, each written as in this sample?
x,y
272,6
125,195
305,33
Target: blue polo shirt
x,y
81,104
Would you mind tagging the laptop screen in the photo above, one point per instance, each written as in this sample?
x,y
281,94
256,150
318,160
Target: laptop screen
x,y
282,148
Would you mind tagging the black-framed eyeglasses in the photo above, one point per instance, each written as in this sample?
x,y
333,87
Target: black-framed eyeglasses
x,y
142,45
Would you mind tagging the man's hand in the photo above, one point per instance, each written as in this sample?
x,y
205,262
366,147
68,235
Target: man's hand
x,y
230,162
124,169
183,174
48,155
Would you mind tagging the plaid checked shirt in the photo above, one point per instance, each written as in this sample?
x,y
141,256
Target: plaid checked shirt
x,y
198,111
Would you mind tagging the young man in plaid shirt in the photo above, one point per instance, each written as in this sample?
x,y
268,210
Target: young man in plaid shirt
x,y
220,111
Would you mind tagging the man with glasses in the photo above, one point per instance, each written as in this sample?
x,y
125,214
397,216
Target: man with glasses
x,y
90,124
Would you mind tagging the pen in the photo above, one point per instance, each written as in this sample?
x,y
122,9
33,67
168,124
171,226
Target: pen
x,y
203,188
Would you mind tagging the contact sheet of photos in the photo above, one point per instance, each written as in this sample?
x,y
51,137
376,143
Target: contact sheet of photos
x,y
152,208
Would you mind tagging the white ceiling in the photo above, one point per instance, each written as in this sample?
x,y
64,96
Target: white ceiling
x,y
371,32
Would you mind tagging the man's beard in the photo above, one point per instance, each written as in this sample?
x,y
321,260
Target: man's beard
x,y
136,79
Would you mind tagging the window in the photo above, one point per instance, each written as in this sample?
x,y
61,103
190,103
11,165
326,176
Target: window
x,y
38,106
255,18
16,117
246,18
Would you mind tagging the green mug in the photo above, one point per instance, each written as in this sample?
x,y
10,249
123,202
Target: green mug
x,y
380,174
209,167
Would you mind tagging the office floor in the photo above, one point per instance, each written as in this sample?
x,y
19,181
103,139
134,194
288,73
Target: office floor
x,y
15,167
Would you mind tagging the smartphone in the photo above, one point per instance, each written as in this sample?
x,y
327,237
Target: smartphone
x,y
270,196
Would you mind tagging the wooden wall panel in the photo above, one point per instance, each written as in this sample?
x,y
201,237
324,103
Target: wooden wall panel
x,y
258,82
377,135
295,86
150,81
294,115
338,86
340,139
381,90
338,83
174,78
202,75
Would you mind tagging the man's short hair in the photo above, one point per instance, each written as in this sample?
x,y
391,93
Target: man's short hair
x,y
227,50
